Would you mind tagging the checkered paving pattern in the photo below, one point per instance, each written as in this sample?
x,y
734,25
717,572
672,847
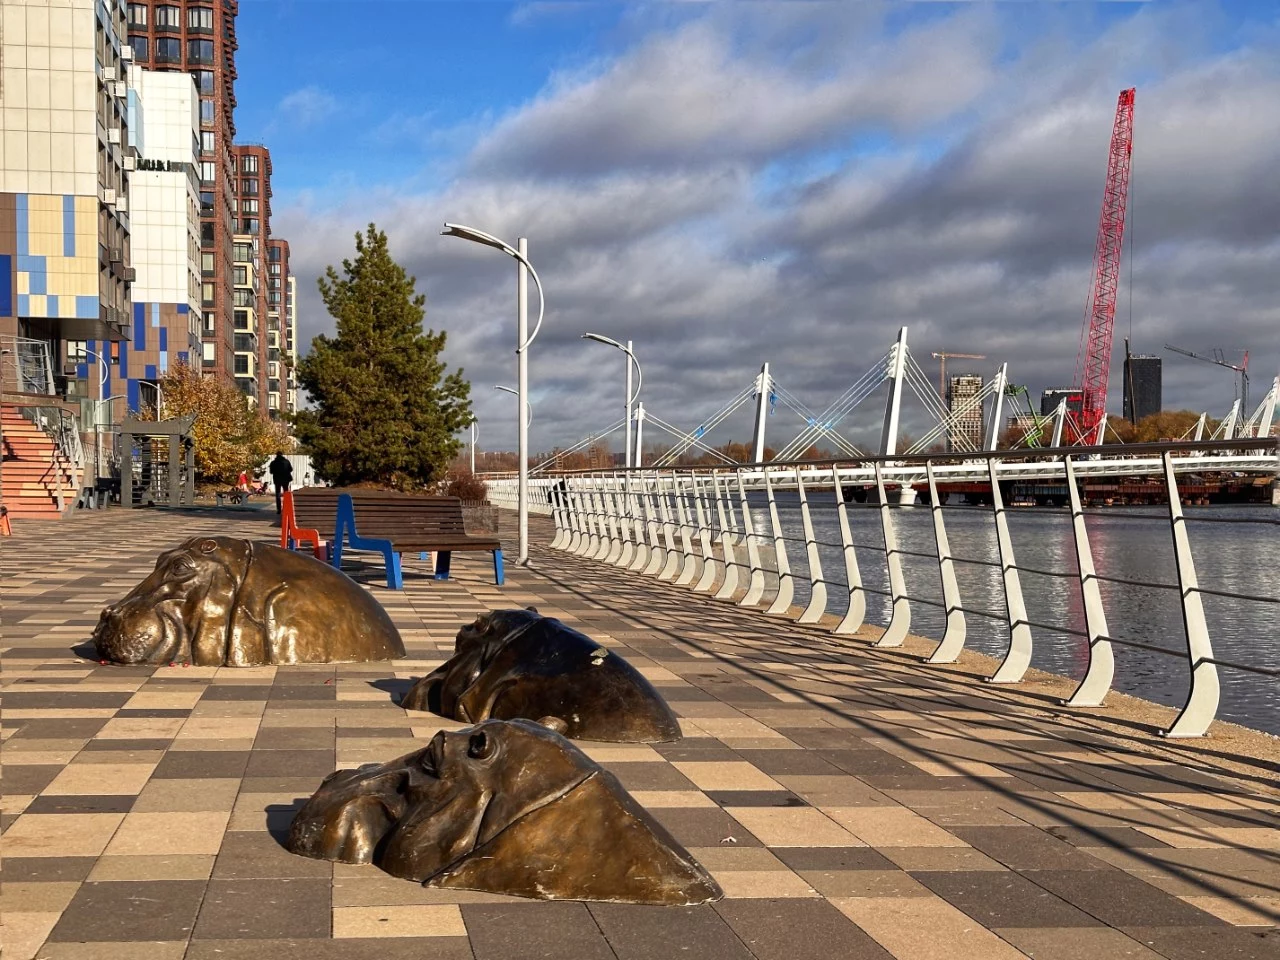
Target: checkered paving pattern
x,y
851,803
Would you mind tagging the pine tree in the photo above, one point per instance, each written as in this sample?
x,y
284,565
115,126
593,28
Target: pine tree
x,y
385,412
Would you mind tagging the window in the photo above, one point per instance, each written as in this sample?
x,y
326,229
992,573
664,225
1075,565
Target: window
x,y
244,343
199,18
275,299
273,253
137,14
240,275
168,48
167,16
206,207
244,297
275,267
249,206
206,233
206,259
206,110
242,319
242,253
209,322
139,45
209,353
208,171
248,163
206,294
249,226
201,51
242,366
206,141
204,81
249,186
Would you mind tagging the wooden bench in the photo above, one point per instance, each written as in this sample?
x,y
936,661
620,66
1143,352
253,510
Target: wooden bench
x,y
309,515
395,523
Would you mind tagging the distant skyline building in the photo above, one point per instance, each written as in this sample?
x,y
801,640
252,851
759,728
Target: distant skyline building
x,y
291,345
277,358
164,207
1052,396
251,188
969,425
1143,387
245,281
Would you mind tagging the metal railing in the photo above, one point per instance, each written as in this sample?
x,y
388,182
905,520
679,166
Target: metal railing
x,y
722,533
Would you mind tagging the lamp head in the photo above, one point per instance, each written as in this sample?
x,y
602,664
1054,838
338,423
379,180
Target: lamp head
x,y
474,235
601,338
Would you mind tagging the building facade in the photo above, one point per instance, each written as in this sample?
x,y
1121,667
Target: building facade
x,y
277,359
967,424
1143,387
291,345
64,202
198,37
1051,397
245,282
164,205
252,209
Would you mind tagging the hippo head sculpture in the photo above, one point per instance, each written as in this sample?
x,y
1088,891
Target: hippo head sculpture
x,y
517,663
505,807
218,601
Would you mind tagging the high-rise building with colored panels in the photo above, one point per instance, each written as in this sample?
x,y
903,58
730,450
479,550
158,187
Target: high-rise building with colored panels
x,y
251,189
64,220
198,37
277,362
291,345
248,321
164,197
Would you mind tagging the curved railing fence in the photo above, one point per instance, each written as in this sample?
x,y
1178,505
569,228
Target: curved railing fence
x,y
1133,597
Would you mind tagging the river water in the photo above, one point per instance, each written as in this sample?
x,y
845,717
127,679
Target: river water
x,y
1128,543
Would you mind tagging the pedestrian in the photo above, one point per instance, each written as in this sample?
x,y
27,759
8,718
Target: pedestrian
x,y
282,474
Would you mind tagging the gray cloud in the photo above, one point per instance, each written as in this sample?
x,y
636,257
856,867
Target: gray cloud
x,y
659,193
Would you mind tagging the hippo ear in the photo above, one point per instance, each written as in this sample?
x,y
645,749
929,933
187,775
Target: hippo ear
x,y
554,724
531,608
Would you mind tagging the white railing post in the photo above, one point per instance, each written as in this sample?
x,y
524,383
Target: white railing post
x,y
856,614
817,584
668,532
1096,683
592,542
755,586
1202,699
786,582
708,578
948,651
690,566
608,533
639,523
657,555
730,585
617,532
900,616
628,523
557,514
1016,661
575,512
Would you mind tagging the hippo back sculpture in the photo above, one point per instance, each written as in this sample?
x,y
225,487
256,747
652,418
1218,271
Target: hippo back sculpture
x,y
517,663
219,601
508,807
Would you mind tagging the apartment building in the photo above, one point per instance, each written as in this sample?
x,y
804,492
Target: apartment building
x,y
64,203
251,189
277,361
246,277
291,345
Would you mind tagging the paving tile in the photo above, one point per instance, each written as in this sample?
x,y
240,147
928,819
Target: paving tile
x,y
153,867
637,932
173,796
101,950
20,869
60,835
202,765
145,834
892,827
265,909
792,827
381,948
1209,943
73,803
437,920
1026,848
798,930
534,931
1005,899
1119,899
254,855
131,911
1076,943
924,928
698,827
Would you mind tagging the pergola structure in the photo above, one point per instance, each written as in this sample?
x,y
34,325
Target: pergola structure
x,y
181,489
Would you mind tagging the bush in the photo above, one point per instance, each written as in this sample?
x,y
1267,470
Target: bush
x,y
467,487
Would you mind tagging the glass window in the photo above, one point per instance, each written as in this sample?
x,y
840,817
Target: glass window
x,y
168,48
209,352
206,294
204,81
243,297
241,275
139,45
206,259
137,14
208,171
242,253
242,366
200,18
200,50
249,206
248,163
249,226
206,141
209,322
273,253
249,186
167,16
206,110
206,233
275,267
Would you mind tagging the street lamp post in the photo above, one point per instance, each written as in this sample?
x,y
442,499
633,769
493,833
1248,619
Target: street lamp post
x,y
631,397
528,407
523,339
473,446
97,415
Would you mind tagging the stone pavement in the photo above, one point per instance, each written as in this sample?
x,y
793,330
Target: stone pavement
x,y
852,803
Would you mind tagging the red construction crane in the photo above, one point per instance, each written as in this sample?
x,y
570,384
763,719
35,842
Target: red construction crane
x,y
1093,363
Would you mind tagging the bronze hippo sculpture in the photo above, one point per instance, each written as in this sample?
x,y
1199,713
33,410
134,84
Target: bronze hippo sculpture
x,y
505,806
219,601
518,663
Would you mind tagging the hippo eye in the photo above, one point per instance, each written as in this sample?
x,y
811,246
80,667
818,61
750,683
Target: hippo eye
x,y
480,747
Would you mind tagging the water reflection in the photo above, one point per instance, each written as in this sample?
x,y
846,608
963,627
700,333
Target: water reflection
x,y
1128,544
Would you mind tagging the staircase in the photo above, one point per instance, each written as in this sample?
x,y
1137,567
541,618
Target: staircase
x,y
31,473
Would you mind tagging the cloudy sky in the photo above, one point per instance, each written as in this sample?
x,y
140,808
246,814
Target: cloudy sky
x,y
738,182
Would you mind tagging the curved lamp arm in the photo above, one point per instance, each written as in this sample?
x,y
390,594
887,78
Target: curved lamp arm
x,y
527,405
601,338
489,240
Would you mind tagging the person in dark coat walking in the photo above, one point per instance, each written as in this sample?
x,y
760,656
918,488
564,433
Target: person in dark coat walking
x,y
281,471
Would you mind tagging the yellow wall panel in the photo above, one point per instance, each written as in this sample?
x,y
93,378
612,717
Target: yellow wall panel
x,y
38,306
24,282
